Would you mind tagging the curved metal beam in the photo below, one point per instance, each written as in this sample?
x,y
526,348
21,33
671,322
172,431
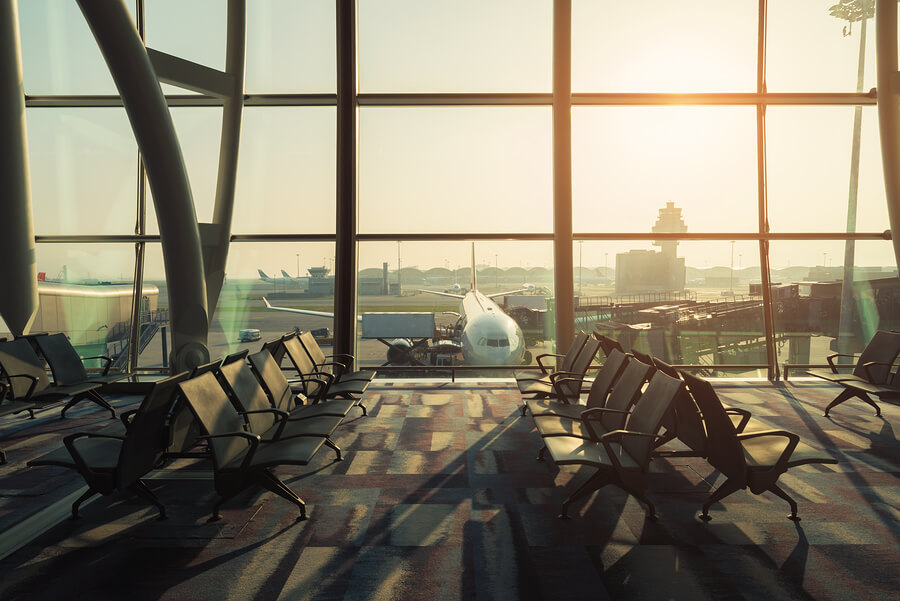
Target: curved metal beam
x,y
154,131
18,274
888,115
217,241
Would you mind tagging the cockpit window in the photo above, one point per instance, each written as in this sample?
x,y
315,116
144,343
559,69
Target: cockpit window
x,y
495,342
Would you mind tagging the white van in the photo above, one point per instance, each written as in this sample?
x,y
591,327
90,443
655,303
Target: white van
x,y
249,335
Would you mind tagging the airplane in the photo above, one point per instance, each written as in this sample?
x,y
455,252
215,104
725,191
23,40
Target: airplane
x,y
296,280
485,334
285,277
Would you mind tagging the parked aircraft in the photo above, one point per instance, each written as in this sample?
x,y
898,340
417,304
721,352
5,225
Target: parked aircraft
x,y
485,334
284,278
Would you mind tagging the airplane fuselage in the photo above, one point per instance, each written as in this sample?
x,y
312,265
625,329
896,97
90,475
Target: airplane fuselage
x,y
489,336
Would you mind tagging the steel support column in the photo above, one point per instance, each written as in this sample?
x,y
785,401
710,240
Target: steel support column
x,y
18,273
888,117
563,261
347,135
154,131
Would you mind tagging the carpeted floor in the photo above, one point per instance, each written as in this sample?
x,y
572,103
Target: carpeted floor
x,y
440,497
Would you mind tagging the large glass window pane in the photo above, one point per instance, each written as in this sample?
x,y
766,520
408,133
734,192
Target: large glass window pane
x,y
811,310
455,45
402,324
630,162
686,302
85,291
809,49
194,31
810,169
155,330
286,173
471,169
659,46
199,133
83,164
279,32
59,53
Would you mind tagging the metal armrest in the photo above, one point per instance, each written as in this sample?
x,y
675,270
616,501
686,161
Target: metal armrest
x,y
541,363
281,418
831,358
34,382
866,369
335,365
105,358
615,435
253,439
69,442
745,417
126,418
588,415
793,441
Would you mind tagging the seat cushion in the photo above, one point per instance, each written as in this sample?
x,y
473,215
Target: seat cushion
x,y
552,407
101,454
554,425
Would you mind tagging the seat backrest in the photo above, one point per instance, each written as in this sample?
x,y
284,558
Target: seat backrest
x,y
724,450
238,356
625,393
687,420
249,395
606,377
18,357
882,349
147,439
303,364
272,379
202,369
275,348
571,387
64,361
568,360
217,415
608,344
648,413
643,358
312,348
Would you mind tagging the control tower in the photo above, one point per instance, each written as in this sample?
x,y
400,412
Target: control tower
x,y
647,270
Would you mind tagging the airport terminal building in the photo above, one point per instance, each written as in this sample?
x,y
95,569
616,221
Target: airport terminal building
x,y
710,184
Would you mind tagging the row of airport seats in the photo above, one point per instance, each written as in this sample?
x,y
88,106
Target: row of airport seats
x,y
636,406
26,386
241,413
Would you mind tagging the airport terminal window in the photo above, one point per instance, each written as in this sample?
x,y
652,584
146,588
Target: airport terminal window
x,y
803,36
278,31
59,54
83,164
627,162
659,46
286,174
198,130
461,169
194,30
459,46
809,151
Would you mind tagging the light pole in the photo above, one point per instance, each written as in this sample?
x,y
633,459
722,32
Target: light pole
x,y
298,265
731,285
399,282
605,265
496,273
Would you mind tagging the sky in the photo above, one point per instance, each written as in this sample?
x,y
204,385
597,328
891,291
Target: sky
x,y
472,169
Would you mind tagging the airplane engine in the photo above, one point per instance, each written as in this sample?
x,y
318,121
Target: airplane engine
x,y
400,352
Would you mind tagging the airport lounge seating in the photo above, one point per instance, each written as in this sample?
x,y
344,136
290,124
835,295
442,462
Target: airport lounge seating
x,y
601,418
109,462
316,385
750,460
27,380
68,368
264,419
282,396
339,364
620,457
563,385
11,407
241,458
603,383
543,361
873,367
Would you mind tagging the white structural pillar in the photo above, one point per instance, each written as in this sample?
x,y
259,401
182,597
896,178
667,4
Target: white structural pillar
x,y
151,122
888,107
18,273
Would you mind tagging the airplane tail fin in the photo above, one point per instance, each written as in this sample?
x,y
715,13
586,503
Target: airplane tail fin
x,y
474,283
286,274
265,300
262,274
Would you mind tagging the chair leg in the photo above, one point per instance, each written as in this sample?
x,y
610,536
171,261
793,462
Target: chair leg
x,y
849,393
98,399
271,482
720,493
141,489
641,496
2,457
330,443
595,482
524,407
777,491
363,407
87,495
543,450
